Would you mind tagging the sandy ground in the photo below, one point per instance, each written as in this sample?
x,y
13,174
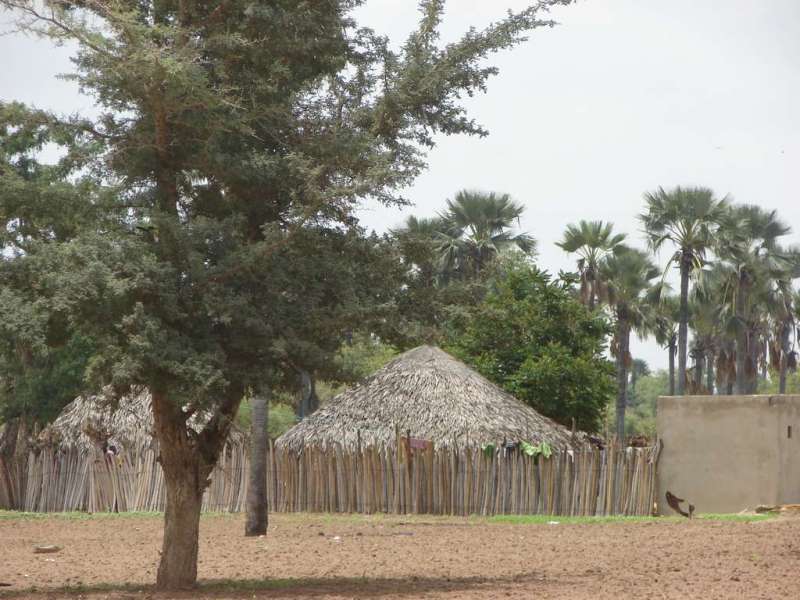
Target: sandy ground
x,y
326,557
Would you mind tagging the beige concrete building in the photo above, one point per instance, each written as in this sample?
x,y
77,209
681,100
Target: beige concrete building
x,y
729,453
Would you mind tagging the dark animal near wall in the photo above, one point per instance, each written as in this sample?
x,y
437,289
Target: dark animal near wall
x,y
675,504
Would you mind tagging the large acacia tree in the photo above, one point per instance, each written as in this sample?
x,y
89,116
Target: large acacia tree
x,y
224,128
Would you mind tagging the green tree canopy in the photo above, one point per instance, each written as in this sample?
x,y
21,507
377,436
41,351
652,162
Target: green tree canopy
x,y
593,242
224,131
629,274
532,337
476,228
687,218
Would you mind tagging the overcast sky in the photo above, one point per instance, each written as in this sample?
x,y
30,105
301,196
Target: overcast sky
x,y
621,97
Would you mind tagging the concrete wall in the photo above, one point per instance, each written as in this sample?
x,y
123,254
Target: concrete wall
x,y
729,453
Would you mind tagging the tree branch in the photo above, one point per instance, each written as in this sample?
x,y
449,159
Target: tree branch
x,y
52,20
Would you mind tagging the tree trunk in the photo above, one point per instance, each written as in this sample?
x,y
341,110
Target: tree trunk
x,y
683,323
182,477
784,364
710,373
309,401
256,519
178,566
741,340
671,351
623,336
187,459
782,375
752,376
698,370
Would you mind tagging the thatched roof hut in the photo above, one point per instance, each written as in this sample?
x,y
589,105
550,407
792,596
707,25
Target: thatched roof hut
x,y
99,421
100,455
435,397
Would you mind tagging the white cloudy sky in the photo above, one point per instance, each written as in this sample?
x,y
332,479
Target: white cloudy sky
x,y
623,96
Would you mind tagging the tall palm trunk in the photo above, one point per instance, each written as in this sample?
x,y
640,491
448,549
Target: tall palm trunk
x,y
683,321
698,370
257,518
784,364
309,401
741,339
623,342
672,349
710,372
752,373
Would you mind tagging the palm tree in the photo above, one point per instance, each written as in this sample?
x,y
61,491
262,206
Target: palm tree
x,y
782,303
704,317
687,218
716,322
592,241
629,274
754,260
663,325
476,228
419,242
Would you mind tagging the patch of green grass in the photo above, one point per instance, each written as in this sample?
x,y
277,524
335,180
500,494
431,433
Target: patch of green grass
x,y
389,519
545,519
75,515
81,516
736,517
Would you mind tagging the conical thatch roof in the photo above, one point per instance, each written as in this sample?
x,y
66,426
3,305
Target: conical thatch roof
x,y
91,421
436,397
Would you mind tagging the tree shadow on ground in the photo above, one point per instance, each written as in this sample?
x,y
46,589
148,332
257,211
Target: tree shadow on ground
x,y
350,587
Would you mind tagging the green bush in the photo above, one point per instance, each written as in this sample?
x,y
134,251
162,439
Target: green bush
x,y
532,337
281,418
362,357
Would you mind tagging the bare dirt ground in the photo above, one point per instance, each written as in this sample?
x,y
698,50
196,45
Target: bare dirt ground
x,y
325,557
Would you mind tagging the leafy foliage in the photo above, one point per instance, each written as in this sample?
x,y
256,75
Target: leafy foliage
x,y
228,135
281,418
361,357
533,338
687,218
640,415
39,391
475,229
448,261
542,448
593,242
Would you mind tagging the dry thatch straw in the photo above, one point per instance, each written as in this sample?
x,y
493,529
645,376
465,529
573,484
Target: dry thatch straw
x,y
435,397
68,469
90,421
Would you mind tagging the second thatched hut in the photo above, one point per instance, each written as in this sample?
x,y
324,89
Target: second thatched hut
x,y
430,395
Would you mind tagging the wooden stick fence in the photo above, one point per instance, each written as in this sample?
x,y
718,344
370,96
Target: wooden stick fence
x,y
446,481
88,480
